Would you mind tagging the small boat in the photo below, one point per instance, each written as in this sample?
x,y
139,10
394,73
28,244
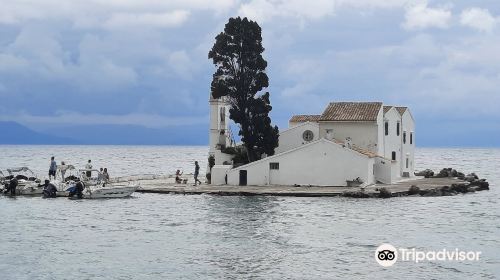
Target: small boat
x,y
28,183
97,186
109,191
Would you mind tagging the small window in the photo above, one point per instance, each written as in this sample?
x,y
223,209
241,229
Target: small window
x,y
397,128
407,162
274,165
308,135
404,137
393,155
411,137
223,115
386,128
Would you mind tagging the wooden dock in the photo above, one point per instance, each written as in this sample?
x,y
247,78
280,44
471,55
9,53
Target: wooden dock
x,y
398,189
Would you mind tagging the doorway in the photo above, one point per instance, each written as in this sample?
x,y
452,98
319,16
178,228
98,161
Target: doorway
x,y
243,177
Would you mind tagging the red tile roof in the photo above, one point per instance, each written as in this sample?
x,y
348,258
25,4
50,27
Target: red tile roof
x,y
387,108
305,118
351,111
401,110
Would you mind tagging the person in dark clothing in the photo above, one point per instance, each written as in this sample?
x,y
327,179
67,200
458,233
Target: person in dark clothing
x,y
77,190
49,190
52,168
11,187
196,173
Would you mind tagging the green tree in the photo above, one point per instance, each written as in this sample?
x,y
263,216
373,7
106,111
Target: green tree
x,y
240,76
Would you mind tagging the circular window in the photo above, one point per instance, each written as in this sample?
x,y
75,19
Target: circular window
x,y
308,135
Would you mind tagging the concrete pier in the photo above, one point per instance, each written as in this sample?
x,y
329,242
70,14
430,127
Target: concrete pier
x,y
398,189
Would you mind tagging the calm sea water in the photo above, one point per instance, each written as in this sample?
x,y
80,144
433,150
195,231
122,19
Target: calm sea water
x,y
153,236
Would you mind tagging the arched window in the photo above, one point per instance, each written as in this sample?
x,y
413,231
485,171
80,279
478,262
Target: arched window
x,y
404,137
397,128
386,128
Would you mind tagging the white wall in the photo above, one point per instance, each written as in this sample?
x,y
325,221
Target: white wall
x,y
320,163
386,171
392,142
408,150
218,124
218,175
292,137
380,132
363,134
221,157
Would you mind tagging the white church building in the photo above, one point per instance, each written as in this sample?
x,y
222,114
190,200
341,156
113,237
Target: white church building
x,y
349,142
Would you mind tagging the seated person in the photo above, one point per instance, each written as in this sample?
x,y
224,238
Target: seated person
x,y
49,190
178,174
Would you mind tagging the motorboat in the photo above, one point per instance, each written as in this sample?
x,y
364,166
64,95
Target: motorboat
x,y
106,190
28,183
95,185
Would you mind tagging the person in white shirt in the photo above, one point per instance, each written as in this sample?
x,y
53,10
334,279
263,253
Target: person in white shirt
x,y
88,166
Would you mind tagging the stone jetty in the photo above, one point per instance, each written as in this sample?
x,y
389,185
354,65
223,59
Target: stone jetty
x,y
447,182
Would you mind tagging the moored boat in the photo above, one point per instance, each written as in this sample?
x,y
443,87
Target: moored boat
x,y
27,181
97,186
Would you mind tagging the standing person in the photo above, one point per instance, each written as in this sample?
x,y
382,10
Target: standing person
x,y
106,175
63,170
52,168
88,166
12,186
196,173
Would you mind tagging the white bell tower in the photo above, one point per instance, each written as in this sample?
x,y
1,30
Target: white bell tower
x,y
219,134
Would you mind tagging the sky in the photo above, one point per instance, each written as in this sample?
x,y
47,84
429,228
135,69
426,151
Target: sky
x,y
145,63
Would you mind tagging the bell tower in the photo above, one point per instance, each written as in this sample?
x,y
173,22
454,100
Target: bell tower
x,y
219,134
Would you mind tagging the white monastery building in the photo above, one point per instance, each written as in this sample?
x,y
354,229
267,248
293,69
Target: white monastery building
x,y
349,143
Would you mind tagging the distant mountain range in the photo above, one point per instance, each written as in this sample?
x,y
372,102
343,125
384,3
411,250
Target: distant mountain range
x,y
15,133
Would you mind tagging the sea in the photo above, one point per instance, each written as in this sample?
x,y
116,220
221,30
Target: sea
x,y
170,236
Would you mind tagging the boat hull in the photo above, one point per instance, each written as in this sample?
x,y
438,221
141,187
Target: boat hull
x,y
109,192
28,188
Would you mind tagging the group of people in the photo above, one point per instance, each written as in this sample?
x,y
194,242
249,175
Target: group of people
x,y
103,174
178,174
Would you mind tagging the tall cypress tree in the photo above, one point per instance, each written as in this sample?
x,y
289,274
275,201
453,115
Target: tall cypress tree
x,y
240,75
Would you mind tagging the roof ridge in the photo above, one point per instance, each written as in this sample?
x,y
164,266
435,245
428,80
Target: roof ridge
x,y
351,111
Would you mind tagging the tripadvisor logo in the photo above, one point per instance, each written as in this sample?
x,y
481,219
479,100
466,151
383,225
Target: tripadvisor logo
x,y
386,255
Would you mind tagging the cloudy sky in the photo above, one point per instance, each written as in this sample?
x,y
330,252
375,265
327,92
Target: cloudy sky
x,y
145,62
